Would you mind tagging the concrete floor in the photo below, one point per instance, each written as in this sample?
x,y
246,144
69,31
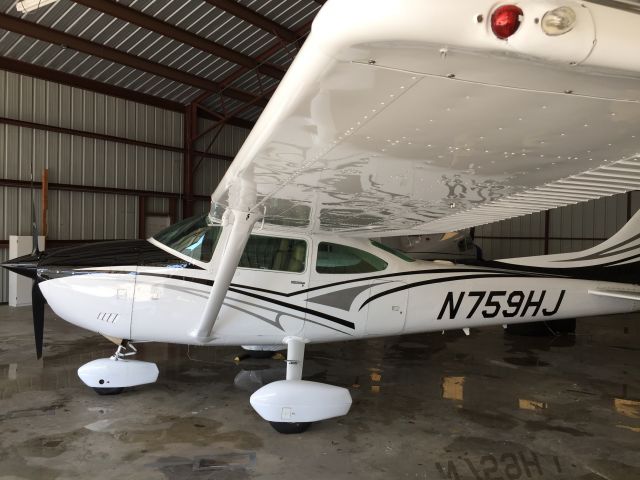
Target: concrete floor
x,y
487,406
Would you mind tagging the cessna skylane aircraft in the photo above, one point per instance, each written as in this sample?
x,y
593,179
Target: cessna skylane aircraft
x,y
401,117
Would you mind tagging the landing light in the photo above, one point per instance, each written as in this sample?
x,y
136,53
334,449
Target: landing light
x,y
506,20
558,21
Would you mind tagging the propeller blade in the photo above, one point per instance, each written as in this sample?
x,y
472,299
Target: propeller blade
x,y
27,265
37,305
34,233
34,225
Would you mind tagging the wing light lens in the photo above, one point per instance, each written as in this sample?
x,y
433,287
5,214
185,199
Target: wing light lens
x,y
558,21
505,21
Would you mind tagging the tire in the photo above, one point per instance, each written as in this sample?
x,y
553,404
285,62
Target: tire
x,y
549,328
290,428
562,327
260,353
108,391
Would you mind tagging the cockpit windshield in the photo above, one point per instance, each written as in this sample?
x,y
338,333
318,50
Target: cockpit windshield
x,y
195,237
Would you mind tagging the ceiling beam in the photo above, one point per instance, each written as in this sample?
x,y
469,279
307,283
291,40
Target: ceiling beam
x,y
66,187
235,121
148,22
302,32
250,16
204,112
225,119
45,34
107,138
44,73
76,81
87,134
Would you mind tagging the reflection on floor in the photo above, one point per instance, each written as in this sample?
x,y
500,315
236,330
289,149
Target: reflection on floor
x,y
425,406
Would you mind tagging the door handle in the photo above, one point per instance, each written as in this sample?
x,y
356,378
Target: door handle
x,y
297,282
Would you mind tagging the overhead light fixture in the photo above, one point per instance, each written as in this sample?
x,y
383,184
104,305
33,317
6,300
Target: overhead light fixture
x,y
25,6
559,21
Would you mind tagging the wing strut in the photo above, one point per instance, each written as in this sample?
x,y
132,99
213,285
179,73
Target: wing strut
x,y
240,230
623,294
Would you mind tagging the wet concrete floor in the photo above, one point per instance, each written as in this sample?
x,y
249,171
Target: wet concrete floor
x,y
487,406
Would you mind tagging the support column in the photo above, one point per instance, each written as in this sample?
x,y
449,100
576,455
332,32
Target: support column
x,y
190,127
142,217
173,210
547,215
45,201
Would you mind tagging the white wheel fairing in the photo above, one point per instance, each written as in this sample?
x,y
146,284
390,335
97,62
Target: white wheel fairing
x,y
300,401
111,373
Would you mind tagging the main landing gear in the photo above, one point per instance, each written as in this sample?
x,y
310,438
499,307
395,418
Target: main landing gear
x,y
110,376
291,405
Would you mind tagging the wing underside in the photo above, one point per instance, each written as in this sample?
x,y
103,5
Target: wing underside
x,y
390,123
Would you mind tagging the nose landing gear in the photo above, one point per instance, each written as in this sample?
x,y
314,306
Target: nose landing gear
x,y
110,376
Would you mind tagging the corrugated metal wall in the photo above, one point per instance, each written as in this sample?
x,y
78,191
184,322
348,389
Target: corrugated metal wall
x,y
82,161
572,228
210,171
71,215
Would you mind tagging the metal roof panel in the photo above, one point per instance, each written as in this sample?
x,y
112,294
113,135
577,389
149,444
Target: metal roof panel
x,y
195,16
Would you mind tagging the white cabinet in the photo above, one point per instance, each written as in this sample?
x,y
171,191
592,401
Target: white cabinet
x,y
20,286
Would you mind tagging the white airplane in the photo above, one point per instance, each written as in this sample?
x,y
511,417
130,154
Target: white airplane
x,y
401,117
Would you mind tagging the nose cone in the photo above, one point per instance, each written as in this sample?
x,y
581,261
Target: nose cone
x,y
26,265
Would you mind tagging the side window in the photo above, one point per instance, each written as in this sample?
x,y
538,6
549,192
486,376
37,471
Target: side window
x,y
337,259
272,253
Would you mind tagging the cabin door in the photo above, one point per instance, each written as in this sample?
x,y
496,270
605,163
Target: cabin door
x,y
269,287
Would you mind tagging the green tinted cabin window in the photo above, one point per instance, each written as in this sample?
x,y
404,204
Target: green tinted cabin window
x,y
273,253
393,251
340,259
195,237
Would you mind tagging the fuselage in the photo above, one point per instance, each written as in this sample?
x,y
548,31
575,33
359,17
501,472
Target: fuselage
x,y
321,288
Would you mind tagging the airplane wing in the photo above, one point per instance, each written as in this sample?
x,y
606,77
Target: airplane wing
x,y
412,116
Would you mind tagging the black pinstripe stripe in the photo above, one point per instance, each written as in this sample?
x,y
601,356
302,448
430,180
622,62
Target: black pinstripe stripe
x,y
331,318
608,252
395,275
439,280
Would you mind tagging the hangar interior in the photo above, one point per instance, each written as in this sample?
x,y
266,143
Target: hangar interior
x,y
128,115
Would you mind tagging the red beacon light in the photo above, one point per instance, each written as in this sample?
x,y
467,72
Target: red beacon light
x,y
506,20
